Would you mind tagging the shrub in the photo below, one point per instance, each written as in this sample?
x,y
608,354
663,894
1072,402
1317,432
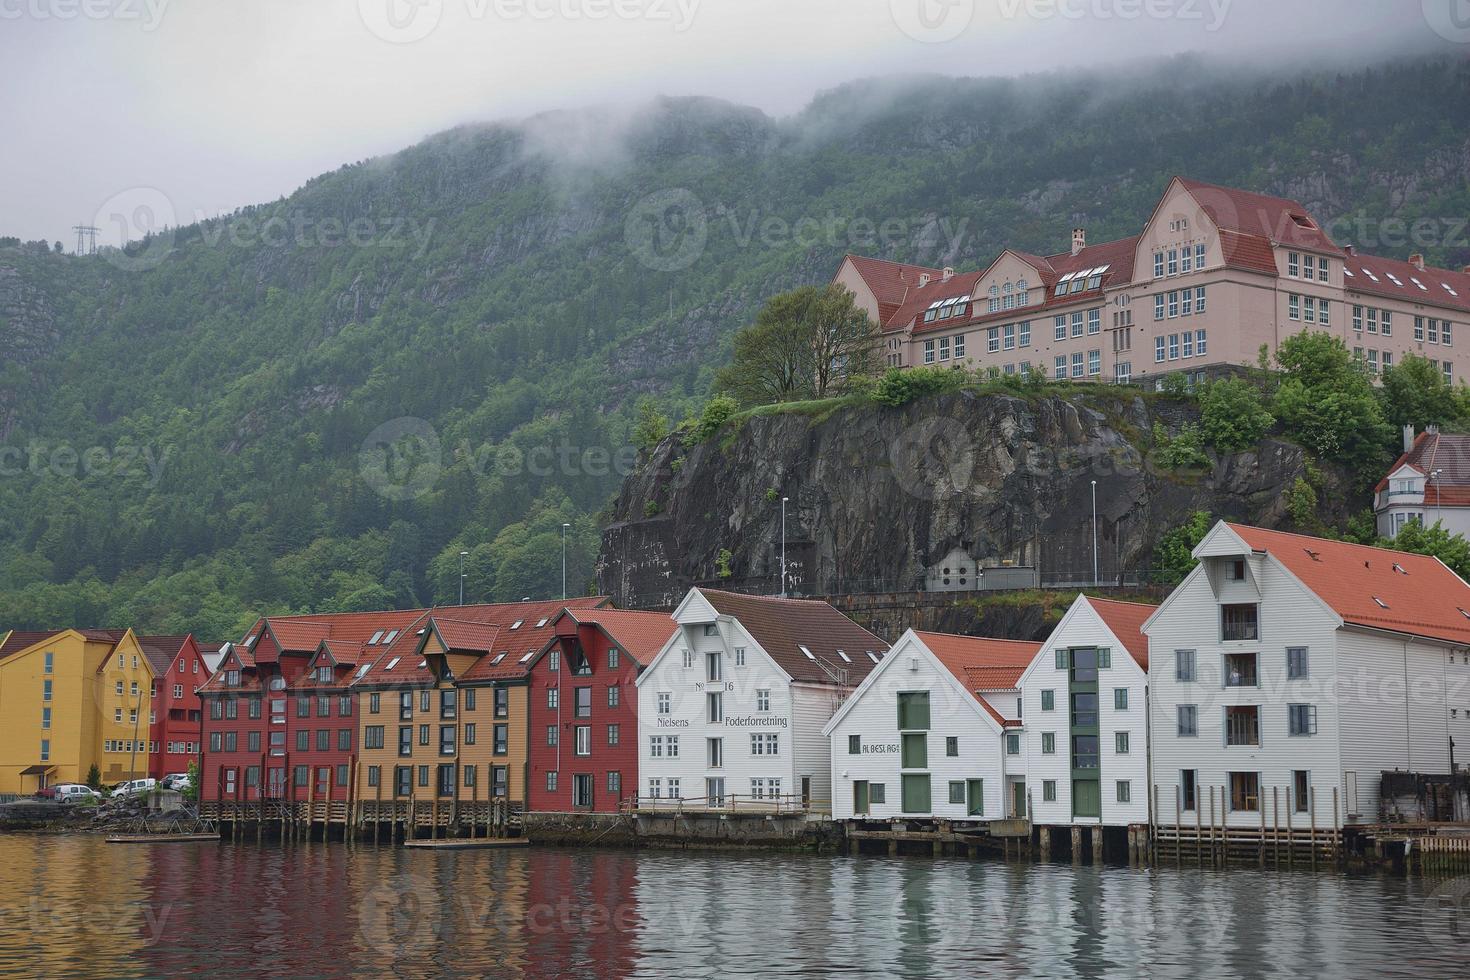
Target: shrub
x,y
1233,416
1173,554
901,387
717,411
1183,451
1175,385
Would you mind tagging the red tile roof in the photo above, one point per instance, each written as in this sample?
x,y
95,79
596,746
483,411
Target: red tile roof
x,y
919,300
161,650
18,640
1274,219
1420,596
514,628
1126,620
890,282
981,663
1116,256
1449,453
783,627
1441,287
641,635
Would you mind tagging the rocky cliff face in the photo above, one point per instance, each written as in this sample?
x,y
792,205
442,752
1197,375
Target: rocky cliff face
x,y
878,498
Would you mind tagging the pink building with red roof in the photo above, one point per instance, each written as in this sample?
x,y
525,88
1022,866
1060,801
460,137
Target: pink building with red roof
x,y
1214,274
1292,679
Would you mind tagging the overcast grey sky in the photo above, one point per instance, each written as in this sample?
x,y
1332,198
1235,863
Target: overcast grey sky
x,y
219,103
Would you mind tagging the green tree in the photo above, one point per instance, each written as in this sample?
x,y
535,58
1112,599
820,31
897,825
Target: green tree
x,y
1233,416
1415,392
717,411
1327,403
94,777
1452,549
803,344
651,426
1173,555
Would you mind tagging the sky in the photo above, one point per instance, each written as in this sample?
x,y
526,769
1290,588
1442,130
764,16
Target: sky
x,y
190,108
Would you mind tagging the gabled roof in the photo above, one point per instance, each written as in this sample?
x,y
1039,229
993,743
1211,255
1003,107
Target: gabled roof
x,y
1402,280
162,650
890,282
1450,455
1373,587
787,628
981,663
641,635
1261,216
18,640
1126,620
487,630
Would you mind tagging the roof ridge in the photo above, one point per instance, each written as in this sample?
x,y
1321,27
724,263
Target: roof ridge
x,y
1310,537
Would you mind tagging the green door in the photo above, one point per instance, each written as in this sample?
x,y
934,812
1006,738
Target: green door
x,y
860,796
1018,805
1086,798
975,797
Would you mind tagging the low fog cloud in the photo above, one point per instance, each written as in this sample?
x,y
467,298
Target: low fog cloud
x,y
209,106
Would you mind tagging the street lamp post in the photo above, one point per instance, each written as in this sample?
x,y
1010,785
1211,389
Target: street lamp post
x,y
462,556
783,546
1094,534
564,561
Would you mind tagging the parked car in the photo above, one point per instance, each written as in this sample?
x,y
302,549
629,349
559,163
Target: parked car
x,y
46,793
75,793
175,780
134,787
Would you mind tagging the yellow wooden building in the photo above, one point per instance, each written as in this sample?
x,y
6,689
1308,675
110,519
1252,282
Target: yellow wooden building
x,y
71,699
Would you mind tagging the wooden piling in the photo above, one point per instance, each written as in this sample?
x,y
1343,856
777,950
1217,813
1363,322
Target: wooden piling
x,y
1312,812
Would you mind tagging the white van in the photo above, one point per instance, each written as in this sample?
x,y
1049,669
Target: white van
x,y
134,787
74,793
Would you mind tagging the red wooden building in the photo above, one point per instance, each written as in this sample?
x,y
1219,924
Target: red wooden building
x,y
280,720
175,732
583,714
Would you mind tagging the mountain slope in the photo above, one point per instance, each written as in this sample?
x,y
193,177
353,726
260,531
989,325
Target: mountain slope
x,y
516,289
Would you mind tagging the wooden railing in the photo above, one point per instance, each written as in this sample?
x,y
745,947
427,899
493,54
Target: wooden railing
x,y
791,805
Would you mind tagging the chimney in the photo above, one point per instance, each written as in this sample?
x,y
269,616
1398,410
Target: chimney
x,y
1079,240
1350,249
923,279
1408,437
948,273
1465,269
1417,261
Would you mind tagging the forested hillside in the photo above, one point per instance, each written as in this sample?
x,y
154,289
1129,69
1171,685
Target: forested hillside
x,y
183,427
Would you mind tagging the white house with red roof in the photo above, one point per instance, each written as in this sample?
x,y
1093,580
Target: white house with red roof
x,y
1288,674
1214,274
1430,483
1085,713
932,733
731,710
